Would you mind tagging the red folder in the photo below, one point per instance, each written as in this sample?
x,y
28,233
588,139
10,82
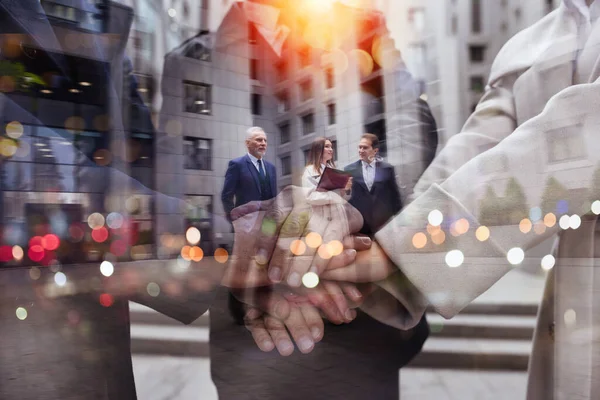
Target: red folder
x,y
333,179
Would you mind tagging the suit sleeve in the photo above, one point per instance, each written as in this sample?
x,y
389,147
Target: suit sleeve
x,y
570,113
397,201
231,181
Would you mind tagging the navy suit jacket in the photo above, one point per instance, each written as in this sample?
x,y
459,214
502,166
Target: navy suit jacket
x,y
242,184
380,203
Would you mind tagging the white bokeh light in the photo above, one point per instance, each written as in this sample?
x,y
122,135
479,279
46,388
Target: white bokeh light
x,y
193,235
570,317
114,220
564,222
435,217
515,255
60,279
596,207
310,280
548,262
21,313
106,268
575,221
455,258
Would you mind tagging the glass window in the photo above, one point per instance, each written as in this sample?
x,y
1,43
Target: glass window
x,y
476,16
565,147
329,78
253,68
284,133
256,104
283,102
334,145
306,90
286,165
197,153
331,114
477,84
197,98
477,53
308,124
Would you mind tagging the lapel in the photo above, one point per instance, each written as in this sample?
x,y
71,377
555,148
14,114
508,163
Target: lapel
x,y
379,175
359,178
253,172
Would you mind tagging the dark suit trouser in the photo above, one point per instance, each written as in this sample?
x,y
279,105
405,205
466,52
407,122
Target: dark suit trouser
x,y
359,360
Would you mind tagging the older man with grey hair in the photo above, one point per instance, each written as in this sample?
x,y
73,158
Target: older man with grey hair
x,y
249,177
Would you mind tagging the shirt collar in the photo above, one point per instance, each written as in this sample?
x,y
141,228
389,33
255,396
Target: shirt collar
x,y
253,159
580,6
372,163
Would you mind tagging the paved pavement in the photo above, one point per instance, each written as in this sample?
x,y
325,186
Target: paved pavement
x,y
179,369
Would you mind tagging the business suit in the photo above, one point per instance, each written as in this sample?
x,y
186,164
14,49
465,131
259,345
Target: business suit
x,y
381,202
543,83
70,346
242,183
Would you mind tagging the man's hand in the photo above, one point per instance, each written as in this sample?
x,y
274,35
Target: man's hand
x,y
291,237
370,265
278,318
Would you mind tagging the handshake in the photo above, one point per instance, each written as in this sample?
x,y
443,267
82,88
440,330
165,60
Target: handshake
x,y
295,263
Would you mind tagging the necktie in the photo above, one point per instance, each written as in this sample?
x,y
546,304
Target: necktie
x,y
261,171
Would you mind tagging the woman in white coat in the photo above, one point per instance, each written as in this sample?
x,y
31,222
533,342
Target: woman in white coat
x,y
320,156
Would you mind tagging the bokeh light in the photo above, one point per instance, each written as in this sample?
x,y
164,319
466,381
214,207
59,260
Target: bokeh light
x,y
439,237
535,214
6,253
570,317
515,256
185,253
193,236
14,130
107,268
297,247
75,124
462,226
60,279
324,253
313,240
482,233
575,221
539,228
196,254
114,220
550,220
102,157
50,242
363,60
335,247
310,280
548,262
95,220
8,147
21,313
36,253
435,218
525,225
153,289
106,300
596,207
455,258
221,255
100,234
432,230
564,222
17,253
419,240
35,273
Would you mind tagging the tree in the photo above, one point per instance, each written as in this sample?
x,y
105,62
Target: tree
x,y
515,202
489,208
553,193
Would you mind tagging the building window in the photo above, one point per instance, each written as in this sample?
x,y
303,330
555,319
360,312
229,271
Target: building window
x,y
476,16
256,104
305,154
197,98
308,124
145,87
477,84
518,15
197,153
284,133
549,6
454,24
378,128
283,102
331,114
329,78
198,51
254,68
306,90
565,146
477,53
334,146
286,165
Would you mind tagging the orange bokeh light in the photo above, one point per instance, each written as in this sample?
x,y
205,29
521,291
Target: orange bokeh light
x,y
196,254
419,240
221,255
297,247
